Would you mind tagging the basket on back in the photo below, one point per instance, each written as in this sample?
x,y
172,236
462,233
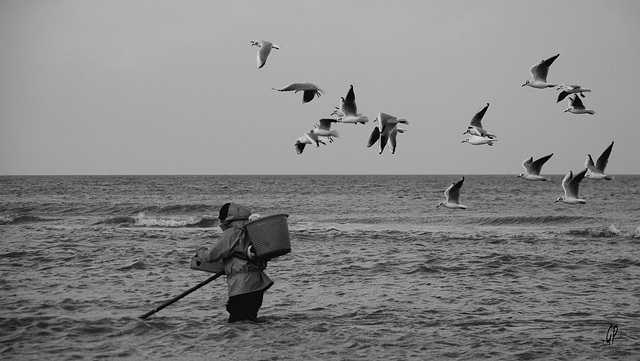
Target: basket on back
x,y
269,236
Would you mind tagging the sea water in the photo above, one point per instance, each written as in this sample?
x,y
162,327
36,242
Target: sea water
x,y
376,270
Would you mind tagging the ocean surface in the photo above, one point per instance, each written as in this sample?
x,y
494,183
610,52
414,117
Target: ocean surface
x,y
376,272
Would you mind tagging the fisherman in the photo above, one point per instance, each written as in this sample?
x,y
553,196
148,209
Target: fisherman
x,y
245,277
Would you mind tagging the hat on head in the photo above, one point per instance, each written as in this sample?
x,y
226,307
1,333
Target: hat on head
x,y
224,211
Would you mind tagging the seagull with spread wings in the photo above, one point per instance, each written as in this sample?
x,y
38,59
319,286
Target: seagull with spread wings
x,y
570,89
265,49
596,171
533,168
324,129
309,90
571,185
577,107
452,196
386,131
347,111
307,138
539,74
475,126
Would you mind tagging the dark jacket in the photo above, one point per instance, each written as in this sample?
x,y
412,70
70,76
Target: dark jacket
x,y
243,275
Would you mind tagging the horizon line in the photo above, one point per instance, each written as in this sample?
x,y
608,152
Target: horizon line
x,y
280,174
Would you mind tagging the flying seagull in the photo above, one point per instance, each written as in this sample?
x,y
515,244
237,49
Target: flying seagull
x,y
386,131
309,90
265,49
596,171
452,196
353,119
539,74
307,138
571,185
324,129
475,126
347,111
576,106
533,168
478,140
570,89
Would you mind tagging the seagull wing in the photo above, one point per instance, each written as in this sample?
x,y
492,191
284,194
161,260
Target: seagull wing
x,y
392,139
349,103
447,193
563,94
541,70
575,102
310,91
574,183
536,166
263,52
565,183
384,137
453,192
589,164
308,95
299,147
547,63
373,138
476,121
291,87
351,96
527,165
325,123
299,87
601,164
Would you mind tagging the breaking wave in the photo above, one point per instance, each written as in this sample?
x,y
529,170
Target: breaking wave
x,y
606,232
22,218
142,220
529,220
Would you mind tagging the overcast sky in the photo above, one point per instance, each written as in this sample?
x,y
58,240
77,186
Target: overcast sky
x,y
171,87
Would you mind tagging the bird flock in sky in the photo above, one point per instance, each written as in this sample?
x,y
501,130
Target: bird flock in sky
x,y
387,129
346,112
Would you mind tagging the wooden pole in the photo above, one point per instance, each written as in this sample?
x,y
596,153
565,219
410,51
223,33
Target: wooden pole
x,y
167,303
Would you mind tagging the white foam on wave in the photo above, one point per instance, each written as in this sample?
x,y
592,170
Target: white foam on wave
x,y
142,220
614,230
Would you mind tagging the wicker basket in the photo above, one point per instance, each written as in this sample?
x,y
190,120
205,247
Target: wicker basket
x,y
269,236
